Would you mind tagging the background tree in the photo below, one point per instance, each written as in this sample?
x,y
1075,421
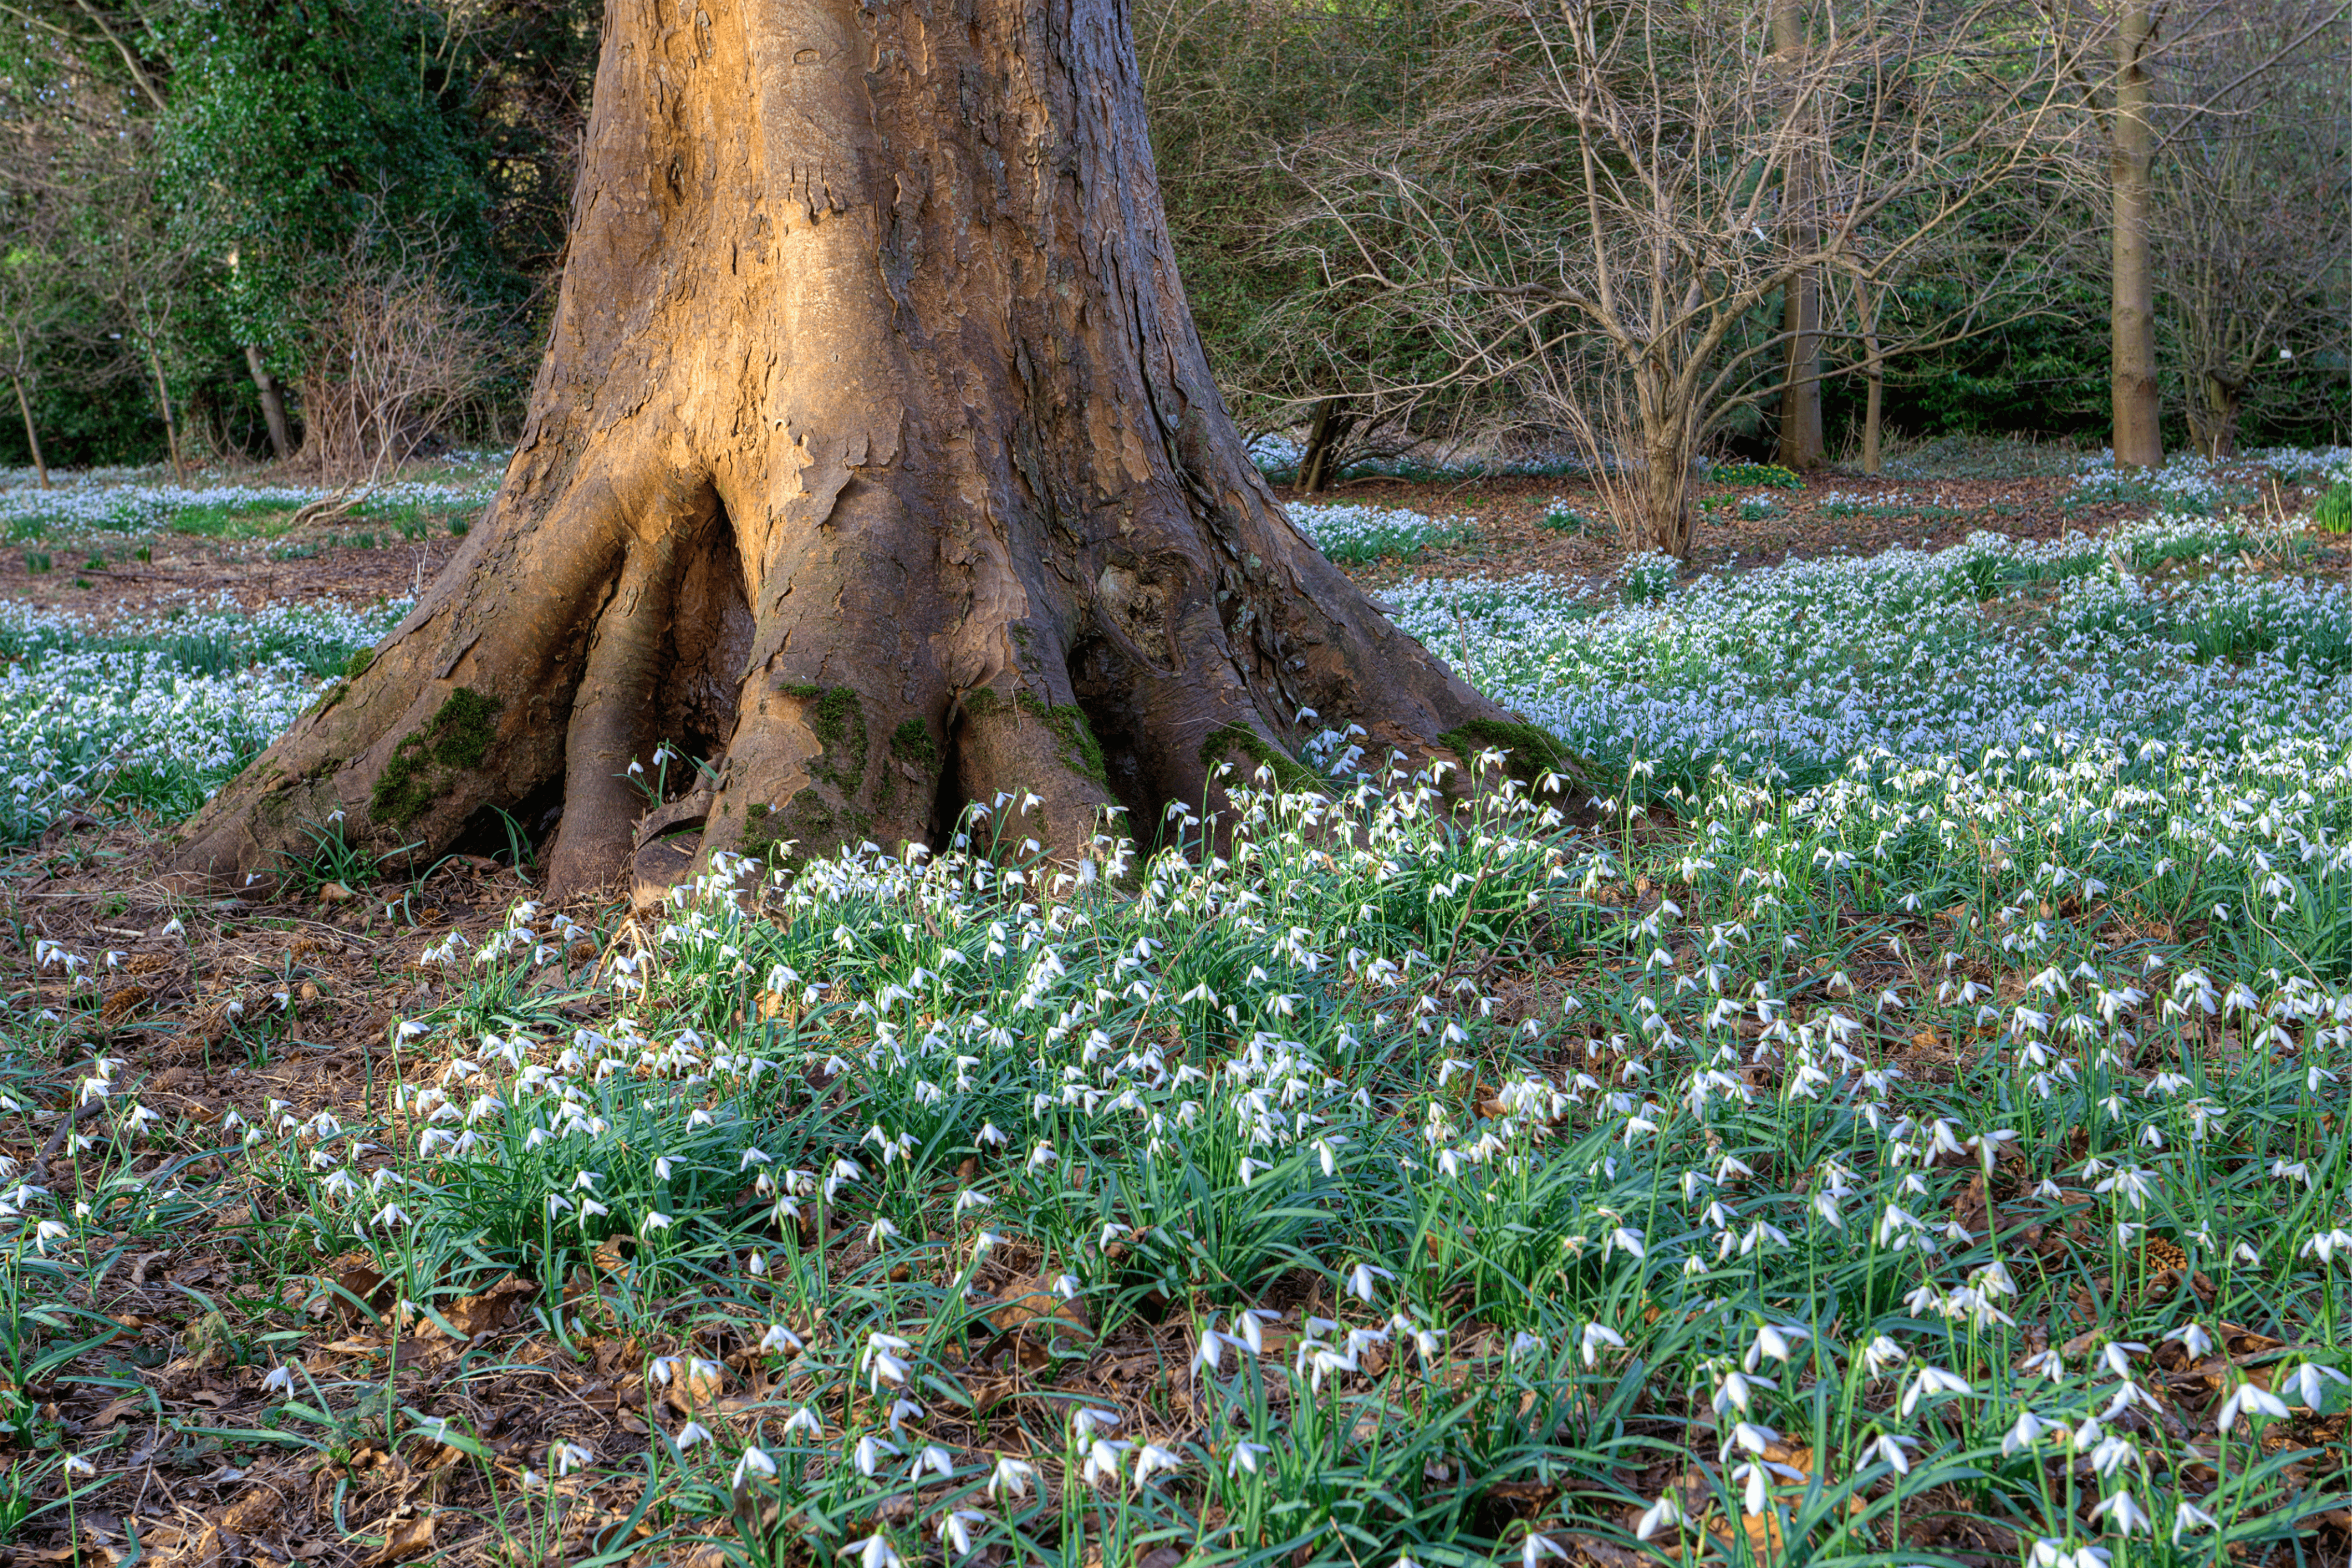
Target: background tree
x,y
2252,222
290,127
1600,206
2169,65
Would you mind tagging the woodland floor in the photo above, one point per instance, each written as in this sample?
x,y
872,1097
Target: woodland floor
x,y
146,1360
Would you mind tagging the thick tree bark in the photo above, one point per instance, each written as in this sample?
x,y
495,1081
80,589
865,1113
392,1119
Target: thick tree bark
x,y
875,458
2138,407
273,403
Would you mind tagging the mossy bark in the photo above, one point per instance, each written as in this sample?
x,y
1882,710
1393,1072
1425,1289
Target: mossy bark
x,y
873,458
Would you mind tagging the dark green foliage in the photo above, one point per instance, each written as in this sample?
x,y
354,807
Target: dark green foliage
x,y
296,128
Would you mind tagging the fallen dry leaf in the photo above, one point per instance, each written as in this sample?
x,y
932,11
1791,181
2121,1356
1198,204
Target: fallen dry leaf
x,y
474,1316
404,1539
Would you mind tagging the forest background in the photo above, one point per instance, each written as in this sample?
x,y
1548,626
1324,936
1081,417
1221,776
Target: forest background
x,y
331,232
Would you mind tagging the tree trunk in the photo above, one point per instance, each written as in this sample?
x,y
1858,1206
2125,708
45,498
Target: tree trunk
x,y
1801,441
1319,466
273,403
32,436
874,457
2212,409
2138,408
171,425
1875,378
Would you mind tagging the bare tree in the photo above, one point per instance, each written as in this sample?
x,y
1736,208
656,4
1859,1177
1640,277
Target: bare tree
x,y
2149,88
1620,191
37,311
396,354
2252,236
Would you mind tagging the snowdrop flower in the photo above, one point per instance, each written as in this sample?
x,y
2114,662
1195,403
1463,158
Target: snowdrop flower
x,y
874,1551
805,1419
2308,1383
1931,1380
954,1529
1012,1476
279,1381
1887,1449
1663,1514
691,1433
2187,1516
870,1450
1596,1335
2123,1513
2046,1364
74,1465
1245,1457
1149,1459
1535,1548
2193,1339
2028,1431
2247,1401
881,1358
1360,1280
1103,1459
567,1457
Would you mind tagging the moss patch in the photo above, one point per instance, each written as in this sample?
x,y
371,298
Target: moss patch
x,y
838,720
911,742
1227,739
456,737
760,831
1528,752
357,664
1069,725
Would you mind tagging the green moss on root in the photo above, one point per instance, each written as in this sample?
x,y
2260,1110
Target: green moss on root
x,y
1069,725
1528,752
357,664
1228,738
759,835
911,744
457,737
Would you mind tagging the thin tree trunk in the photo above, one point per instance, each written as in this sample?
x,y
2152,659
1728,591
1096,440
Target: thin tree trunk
x,y
1873,376
1319,465
2138,407
875,458
2212,414
171,425
273,403
1802,438
32,436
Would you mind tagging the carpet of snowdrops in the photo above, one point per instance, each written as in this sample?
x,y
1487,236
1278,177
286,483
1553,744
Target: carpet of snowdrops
x,y
1890,1108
